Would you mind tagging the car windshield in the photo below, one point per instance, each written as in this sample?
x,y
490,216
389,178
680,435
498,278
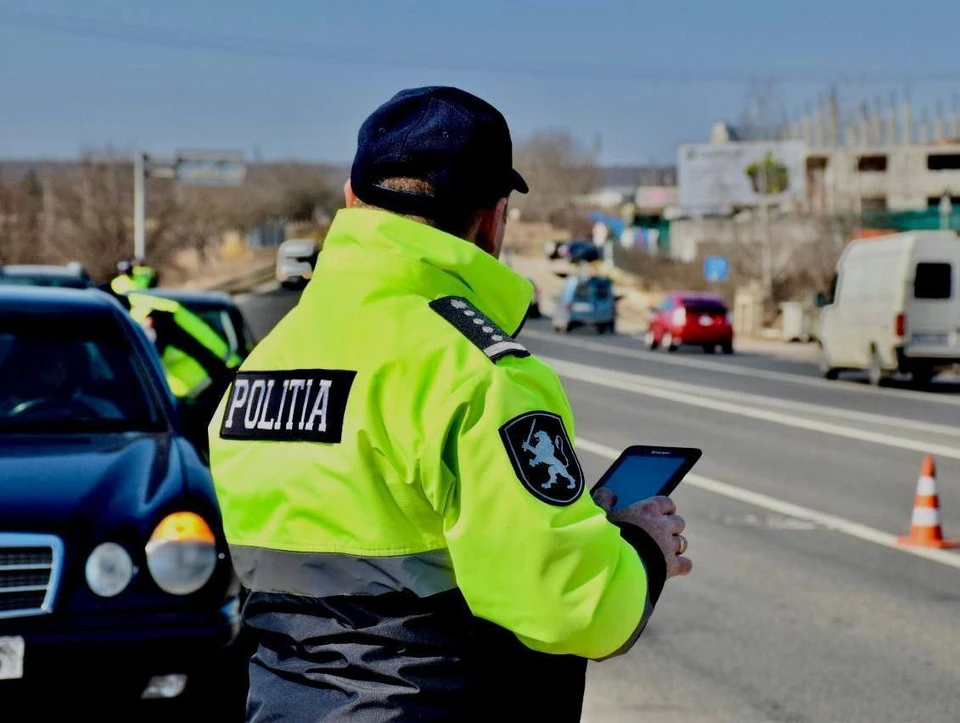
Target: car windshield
x,y
71,374
220,321
593,290
710,308
602,288
65,282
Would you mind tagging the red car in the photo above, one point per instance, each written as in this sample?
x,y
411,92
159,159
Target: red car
x,y
691,318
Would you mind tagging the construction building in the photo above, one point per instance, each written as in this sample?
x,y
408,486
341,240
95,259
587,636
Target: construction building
x,y
880,162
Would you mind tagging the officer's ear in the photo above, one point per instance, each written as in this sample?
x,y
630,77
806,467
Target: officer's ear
x,y
492,224
348,195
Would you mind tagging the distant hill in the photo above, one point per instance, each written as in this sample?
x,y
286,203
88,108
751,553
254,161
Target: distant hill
x,y
610,176
624,176
17,169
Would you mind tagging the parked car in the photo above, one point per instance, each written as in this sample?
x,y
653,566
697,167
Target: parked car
x,y
897,308
296,259
115,576
586,301
554,249
691,318
73,276
581,252
220,311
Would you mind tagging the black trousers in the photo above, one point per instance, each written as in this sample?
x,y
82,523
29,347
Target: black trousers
x,y
397,658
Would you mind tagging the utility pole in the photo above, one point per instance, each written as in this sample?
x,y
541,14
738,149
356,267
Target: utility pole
x,y
139,214
47,212
765,230
946,210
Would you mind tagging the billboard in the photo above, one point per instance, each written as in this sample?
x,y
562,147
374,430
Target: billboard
x,y
715,178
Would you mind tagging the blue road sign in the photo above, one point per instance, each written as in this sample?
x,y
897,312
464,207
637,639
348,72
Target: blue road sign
x,y
716,268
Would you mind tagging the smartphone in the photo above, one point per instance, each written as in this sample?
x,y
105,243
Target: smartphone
x,y
642,472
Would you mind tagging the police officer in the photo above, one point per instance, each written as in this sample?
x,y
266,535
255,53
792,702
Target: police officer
x,y
197,360
396,471
133,274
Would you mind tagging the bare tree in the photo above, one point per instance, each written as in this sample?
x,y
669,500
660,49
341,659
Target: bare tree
x,y
21,205
558,170
85,213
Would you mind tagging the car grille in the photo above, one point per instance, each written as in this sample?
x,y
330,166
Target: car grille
x,y
29,573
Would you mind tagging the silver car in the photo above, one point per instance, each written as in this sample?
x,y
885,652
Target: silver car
x,y
296,258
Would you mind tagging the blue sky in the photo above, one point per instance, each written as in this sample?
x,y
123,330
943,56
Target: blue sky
x,y
294,79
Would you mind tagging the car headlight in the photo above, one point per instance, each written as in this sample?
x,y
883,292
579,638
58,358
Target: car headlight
x,y
109,569
182,553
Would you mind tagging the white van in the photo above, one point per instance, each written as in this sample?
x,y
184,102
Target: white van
x,y
896,307
296,259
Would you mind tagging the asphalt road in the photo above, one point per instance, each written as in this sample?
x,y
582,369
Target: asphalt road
x,y
801,606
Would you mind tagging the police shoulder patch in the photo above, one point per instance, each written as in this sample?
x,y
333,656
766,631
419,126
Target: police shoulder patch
x,y
296,405
543,457
479,329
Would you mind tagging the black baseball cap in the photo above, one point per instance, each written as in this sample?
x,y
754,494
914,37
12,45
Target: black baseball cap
x,y
455,141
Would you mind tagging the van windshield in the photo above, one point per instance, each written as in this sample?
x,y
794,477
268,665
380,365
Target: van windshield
x,y
933,281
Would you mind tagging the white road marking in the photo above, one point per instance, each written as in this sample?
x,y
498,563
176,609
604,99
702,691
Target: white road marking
x,y
760,400
742,371
773,522
626,382
788,509
268,287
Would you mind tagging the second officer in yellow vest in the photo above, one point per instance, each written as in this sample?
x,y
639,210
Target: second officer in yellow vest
x,y
198,362
195,357
396,471
133,274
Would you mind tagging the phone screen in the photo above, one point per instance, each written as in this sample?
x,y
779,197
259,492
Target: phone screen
x,y
640,476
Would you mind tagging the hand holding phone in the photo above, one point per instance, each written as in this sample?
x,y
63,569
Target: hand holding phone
x,y
634,491
642,472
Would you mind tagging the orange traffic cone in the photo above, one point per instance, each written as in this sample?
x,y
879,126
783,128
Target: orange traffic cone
x,y
925,528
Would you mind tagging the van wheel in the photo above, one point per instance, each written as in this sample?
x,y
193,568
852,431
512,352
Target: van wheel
x,y
876,374
826,371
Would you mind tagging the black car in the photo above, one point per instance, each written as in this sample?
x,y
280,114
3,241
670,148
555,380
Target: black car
x,y
581,251
115,579
71,276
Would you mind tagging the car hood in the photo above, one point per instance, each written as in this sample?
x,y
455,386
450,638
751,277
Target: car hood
x,y
70,483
